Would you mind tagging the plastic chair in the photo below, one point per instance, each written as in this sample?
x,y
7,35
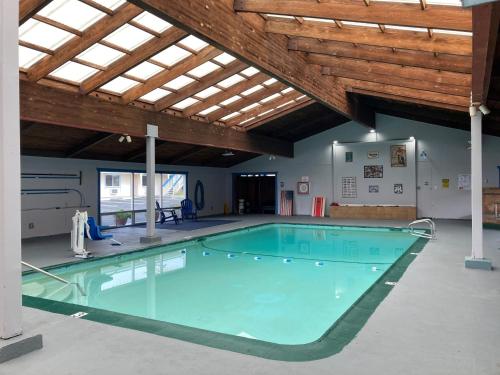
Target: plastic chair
x,y
95,231
164,218
187,210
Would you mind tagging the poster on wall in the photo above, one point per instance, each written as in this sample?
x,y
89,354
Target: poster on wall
x,y
398,188
373,155
464,182
445,183
373,189
398,155
349,187
303,187
348,157
374,171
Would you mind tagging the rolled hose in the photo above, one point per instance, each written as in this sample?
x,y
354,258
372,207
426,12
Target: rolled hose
x,y
199,196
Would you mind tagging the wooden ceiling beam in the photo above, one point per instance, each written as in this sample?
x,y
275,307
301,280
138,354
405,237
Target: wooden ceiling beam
x,y
87,144
280,113
443,62
165,76
401,39
46,105
28,8
243,36
439,16
363,66
485,20
207,81
77,45
151,48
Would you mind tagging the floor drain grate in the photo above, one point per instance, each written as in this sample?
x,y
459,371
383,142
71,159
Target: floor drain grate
x,y
79,314
391,283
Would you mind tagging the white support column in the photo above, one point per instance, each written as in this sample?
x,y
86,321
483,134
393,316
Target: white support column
x,y
477,260
151,135
10,174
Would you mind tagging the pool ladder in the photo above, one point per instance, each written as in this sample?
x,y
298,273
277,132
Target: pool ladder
x,y
429,222
80,289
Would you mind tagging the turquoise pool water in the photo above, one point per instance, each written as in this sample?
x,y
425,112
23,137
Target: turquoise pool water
x,y
280,283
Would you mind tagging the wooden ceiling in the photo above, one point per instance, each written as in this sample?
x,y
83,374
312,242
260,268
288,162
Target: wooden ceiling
x,y
238,65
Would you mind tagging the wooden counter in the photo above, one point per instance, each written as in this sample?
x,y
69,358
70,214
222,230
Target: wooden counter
x,y
374,212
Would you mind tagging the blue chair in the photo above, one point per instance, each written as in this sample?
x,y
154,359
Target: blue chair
x,y
187,210
95,231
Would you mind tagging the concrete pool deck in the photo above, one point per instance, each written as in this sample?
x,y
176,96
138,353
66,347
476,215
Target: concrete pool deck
x,y
439,319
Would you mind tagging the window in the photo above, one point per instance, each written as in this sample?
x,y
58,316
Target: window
x,y
112,180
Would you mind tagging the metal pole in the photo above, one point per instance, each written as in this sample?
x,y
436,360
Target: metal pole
x,y
10,174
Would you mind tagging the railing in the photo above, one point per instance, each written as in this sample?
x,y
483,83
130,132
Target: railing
x,y
80,289
431,225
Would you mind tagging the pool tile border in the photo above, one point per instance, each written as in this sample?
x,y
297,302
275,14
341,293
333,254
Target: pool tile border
x,y
341,333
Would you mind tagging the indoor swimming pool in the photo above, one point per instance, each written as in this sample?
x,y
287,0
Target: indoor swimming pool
x,y
272,288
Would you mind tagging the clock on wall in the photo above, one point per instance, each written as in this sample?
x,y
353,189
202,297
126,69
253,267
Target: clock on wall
x,y
303,187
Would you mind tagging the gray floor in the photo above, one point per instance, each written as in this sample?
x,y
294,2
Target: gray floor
x,y
439,319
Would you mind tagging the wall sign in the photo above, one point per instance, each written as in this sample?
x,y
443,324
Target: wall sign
x,y
398,188
398,155
303,187
373,154
374,171
373,189
349,187
348,157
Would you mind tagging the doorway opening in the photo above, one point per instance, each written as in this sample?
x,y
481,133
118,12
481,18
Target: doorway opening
x,y
254,193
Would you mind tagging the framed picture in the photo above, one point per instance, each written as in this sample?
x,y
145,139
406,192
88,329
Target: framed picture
x,y
398,155
398,188
373,188
303,187
348,157
373,155
374,171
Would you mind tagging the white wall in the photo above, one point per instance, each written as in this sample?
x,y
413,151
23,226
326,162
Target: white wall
x,y
446,148
56,221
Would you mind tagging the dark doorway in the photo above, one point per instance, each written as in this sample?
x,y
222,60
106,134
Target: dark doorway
x,y
258,190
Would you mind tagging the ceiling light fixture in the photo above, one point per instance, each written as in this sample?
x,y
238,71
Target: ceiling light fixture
x,y
228,153
124,137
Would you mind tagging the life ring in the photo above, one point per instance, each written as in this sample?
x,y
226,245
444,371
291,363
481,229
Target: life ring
x,y
199,196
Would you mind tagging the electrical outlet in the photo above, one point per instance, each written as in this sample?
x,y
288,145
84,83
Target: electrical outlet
x,y
31,225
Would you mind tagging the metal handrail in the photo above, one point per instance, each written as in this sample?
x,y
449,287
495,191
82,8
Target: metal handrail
x,y
80,289
429,222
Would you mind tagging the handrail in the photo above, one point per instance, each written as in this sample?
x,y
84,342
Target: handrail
x,y
429,222
80,289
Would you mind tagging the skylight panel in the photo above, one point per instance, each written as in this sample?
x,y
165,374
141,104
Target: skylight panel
x,y
271,15
252,90
230,116
28,57
360,24
452,32
208,92
128,37
144,70
43,35
406,28
204,69
185,103
74,72
179,82
155,95
457,3
269,82
287,90
209,110
233,80
72,13
110,4
193,43
300,97
171,56
250,107
270,98
285,104
119,85
325,20
251,71
152,22
247,120
224,58
100,55
265,112
230,100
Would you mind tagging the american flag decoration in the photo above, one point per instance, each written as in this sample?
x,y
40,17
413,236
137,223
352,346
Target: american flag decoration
x,y
318,207
286,203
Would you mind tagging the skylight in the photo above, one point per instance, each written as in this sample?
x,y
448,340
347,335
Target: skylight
x,y
171,56
230,116
208,92
43,35
250,107
28,57
225,58
179,82
185,103
251,71
110,4
152,22
230,100
72,13
252,90
285,104
144,70
193,43
247,120
100,55
287,90
233,80
128,37
265,112
209,110
74,72
155,95
269,82
119,85
204,69
270,98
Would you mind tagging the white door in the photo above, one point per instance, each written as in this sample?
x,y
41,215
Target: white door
x,y
425,206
